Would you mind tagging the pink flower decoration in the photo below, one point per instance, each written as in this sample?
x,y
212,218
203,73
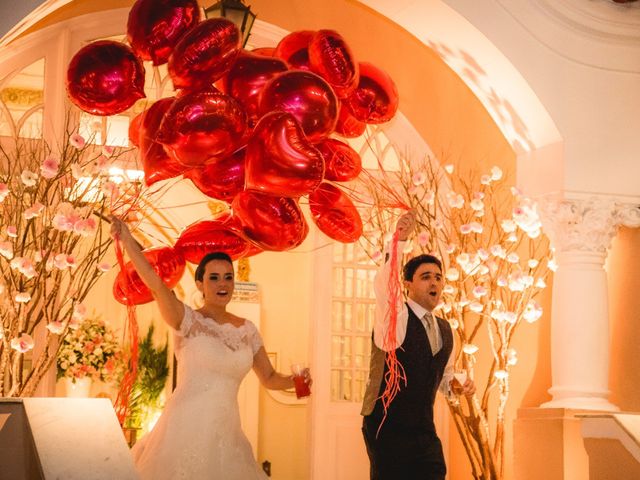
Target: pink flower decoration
x,y
419,178
55,327
79,312
465,229
423,238
85,227
71,261
479,292
49,168
108,150
23,343
33,211
60,261
76,140
102,163
4,191
376,256
104,267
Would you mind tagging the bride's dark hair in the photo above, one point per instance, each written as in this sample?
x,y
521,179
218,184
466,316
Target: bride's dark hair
x,y
206,259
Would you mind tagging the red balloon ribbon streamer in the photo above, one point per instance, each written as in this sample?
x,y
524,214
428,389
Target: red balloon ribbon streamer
x,y
395,371
122,401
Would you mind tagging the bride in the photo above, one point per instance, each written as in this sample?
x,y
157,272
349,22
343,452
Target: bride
x,y
198,435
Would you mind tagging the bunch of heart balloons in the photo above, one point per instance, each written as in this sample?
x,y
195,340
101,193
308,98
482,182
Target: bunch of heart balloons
x,y
251,128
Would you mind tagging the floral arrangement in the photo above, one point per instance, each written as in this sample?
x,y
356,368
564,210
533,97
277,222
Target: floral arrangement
x,y
495,260
91,350
52,246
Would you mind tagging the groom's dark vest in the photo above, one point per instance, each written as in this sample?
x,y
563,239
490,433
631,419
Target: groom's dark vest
x,y
412,408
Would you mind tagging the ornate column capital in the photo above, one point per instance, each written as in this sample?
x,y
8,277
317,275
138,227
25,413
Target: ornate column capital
x,y
585,224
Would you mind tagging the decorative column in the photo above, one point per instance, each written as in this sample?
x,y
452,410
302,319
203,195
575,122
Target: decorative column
x,y
581,231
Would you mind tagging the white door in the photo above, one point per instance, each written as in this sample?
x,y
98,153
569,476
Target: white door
x,y
343,305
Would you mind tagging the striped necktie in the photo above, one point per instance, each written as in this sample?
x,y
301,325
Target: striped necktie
x,y
432,333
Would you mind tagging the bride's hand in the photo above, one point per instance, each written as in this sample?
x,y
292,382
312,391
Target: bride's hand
x,y
306,374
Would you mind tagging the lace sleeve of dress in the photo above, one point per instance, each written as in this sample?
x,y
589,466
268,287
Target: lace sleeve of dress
x,y
254,337
187,322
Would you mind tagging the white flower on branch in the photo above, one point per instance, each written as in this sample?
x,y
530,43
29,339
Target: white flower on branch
x,y
23,343
465,229
479,291
28,178
477,204
496,174
532,312
55,327
476,227
449,289
449,168
22,297
4,191
510,317
24,266
469,348
485,179
540,283
483,270
498,251
452,274
513,238
512,356
501,374
553,266
502,281
462,259
450,248
454,323
513,258
476,307
533,263
483,254
33,211
6,250
455,200
79,312
508,226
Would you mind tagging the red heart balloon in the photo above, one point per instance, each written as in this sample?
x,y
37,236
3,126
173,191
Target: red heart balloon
x,y
155,26
334,213
129,288
204,54
272,223
202,126
156,163
293,49
247,78
134,129
280,161
348,126
332,59
105,78
375,100
223,179
217,235
342,163
306,96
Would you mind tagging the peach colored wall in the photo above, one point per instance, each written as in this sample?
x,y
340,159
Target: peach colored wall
x,y
623,266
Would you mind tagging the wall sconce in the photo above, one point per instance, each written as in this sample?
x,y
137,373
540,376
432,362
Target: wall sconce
x,y
237,12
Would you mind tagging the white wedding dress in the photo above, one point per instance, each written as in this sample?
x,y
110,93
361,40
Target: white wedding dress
x,y
198,435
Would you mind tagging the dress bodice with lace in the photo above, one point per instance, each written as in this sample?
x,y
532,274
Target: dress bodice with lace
x,y
198,436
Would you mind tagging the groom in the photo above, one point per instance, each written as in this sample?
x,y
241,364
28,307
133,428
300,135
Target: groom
x,y
407,446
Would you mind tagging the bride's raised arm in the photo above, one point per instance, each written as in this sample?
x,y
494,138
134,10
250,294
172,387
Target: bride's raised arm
x,y
171,309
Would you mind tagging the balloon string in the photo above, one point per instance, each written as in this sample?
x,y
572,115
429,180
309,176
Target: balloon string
x,y
126,386
395,371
